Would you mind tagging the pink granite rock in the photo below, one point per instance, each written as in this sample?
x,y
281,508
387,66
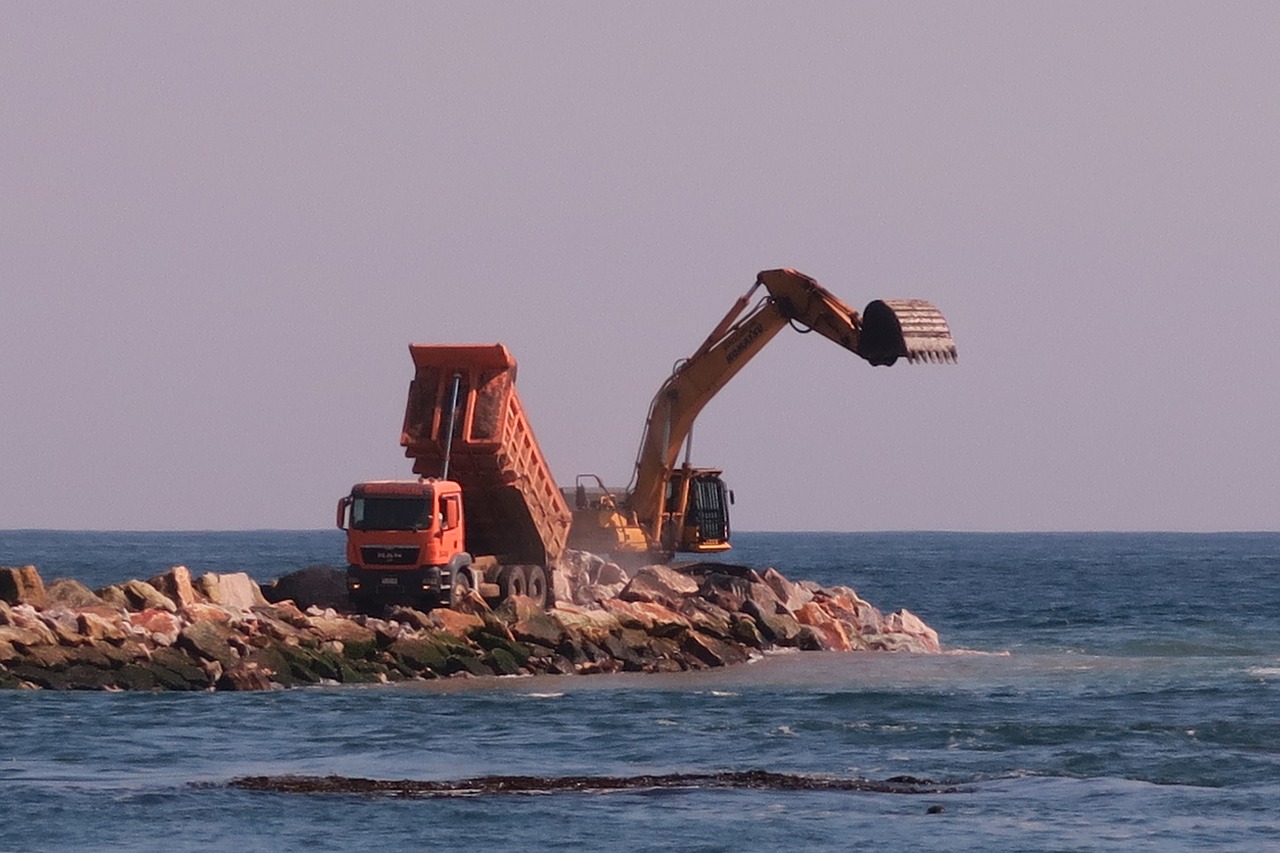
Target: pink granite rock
x,y
833,635
593,625
908,625
97,627
162,626
204,611
64,626
236,589
143,596
453,622
27,617
25,639
792,595
175,585
659,584
22,586
341,630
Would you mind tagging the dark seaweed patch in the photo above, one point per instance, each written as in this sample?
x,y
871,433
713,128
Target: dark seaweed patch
x,y
746,779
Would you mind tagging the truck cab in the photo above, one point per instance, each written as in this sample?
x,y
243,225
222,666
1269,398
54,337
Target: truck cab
x,y
405,542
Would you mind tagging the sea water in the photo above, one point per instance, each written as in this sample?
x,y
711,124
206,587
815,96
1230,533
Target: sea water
x,y
1100,691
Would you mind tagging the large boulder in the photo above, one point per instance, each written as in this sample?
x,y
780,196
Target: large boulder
x,y
98,627
416,619
472,604
417,655
657,620
351,634
831,632
515,609
113,596
728,592
175,585
454,622
315,586
246,675
776,625
914,635
236,590
540,629
211,641
203,611
792,595
26,617
573,571
660,585
63,623
160,625
711,651
141,595
582,623
846,604
71,594
24,639
708,618
22,586
593,594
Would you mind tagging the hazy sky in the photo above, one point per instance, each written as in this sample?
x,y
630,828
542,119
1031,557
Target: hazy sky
x,y
221,224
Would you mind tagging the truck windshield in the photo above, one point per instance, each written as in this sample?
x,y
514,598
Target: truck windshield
x,y
390,514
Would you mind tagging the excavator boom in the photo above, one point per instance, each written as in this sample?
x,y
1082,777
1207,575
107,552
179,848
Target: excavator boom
x,y
886,331
663,498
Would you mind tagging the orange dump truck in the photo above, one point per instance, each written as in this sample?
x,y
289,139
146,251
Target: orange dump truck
x,y
485,513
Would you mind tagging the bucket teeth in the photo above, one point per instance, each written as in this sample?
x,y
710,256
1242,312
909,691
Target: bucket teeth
x,y
924,331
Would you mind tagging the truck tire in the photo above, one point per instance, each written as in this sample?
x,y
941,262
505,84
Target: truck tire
x,y
536,584
512,581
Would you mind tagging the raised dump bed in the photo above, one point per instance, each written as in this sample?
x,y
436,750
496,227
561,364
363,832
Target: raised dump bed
x,y
514,510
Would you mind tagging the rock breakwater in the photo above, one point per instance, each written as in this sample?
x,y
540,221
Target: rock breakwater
x,y
226,632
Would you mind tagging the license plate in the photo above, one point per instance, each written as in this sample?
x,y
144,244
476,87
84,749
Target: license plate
x,y
391,581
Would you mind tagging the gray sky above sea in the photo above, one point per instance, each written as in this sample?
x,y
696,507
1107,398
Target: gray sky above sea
x,y
221,225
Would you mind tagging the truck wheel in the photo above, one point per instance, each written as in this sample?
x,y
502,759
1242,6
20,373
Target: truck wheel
x,y
536,582
461,585
511,581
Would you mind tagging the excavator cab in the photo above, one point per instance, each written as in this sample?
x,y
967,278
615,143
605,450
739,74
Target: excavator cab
x,y
696,511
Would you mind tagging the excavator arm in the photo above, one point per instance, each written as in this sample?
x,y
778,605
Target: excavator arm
x,y
883,333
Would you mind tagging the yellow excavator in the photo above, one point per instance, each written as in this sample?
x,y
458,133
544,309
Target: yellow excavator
x,y
669,507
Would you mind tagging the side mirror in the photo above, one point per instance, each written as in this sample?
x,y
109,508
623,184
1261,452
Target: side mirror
x,y
450,514
343,506
731,497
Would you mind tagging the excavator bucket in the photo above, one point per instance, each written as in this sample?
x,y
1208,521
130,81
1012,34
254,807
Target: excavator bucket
x,y
905,328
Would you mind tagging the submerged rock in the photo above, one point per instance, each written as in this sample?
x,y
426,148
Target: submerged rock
x,y
756,780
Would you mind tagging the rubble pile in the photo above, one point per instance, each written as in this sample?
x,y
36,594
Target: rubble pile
x,y
225,632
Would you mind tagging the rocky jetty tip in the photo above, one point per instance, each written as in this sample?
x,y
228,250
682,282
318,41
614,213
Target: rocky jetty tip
x,y
226,632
